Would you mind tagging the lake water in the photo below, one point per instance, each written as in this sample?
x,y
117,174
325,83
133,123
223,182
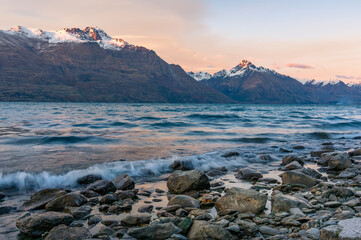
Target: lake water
x,y
52,144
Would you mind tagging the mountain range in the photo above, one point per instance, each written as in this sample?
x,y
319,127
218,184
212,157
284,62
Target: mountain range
x,y
87,65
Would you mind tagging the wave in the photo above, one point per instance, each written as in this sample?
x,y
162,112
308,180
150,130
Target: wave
x,y
341,125
320,135
138,169
58,140
170,124
213,116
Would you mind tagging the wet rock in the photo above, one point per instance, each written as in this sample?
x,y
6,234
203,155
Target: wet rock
x,y
311,172
181,165
36,224
356,152
101,231
181,213
242,200
183,201
183,181
155,231
285,150
290,158
217,172
267,157
178,237
109,198
63,232
202,230
313,233
125,194
265,230
2,196
119,208
298,147
146,209
294,177
230,154
78,212
136,219
249,227
87,179
94,220
89,193
339,192
318,153
68,200
283,203
332,204
6,209
346,174
102,187
293,166
339,161
39,199
124,182
248,174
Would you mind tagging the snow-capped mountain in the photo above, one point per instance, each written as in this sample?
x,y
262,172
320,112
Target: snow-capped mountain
x,y
252,84
199,76
75,35
79,65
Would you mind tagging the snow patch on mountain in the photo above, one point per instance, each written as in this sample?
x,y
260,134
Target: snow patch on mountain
x,y
323,83
76,35
199,76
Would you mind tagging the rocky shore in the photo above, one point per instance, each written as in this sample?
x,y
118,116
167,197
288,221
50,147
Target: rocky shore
x,y
304,202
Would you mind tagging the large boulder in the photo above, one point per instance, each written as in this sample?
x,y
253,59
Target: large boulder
x,y
136,219
242,200
248,174
124,182
90,178
39,199
102,187
290,158
68,200
63,232
356,152
183,181
38,223
348,229
283,203
295,177
159,231
183,201
339,161
202,230
78,212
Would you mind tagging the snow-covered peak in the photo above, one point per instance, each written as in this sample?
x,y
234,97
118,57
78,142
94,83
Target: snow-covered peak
x,y
76,35
323,83
244,67
199,76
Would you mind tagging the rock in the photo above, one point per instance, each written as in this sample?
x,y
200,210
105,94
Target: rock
x,y
182,165
265,230
63,232
2,196
181,213
68,200
356,152
242,200
332,204
124,182
183,201
146,209
38,223
249,227
339,161
348,229
185,224
311,172
78,212
102,187
290,158
217,172
293,166
284,150
136,219
202,230
330,232
90,178
159,231
298,147
39,199
89,193
230,154
294,177
248,174
94,220
119,208
283,203
109,199
6,209
101,231
178,237
313,233
183,181
339,192
125,194
346,174
318,153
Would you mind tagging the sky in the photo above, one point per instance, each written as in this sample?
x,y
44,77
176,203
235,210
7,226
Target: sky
x,y
308,39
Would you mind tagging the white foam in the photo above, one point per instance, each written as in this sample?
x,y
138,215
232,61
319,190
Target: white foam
x,y
153,167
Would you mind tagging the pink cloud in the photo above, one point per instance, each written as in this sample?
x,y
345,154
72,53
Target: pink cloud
x,y
348,77
297,65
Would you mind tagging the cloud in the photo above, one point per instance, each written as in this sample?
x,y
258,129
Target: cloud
x,y
348,77
297,65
